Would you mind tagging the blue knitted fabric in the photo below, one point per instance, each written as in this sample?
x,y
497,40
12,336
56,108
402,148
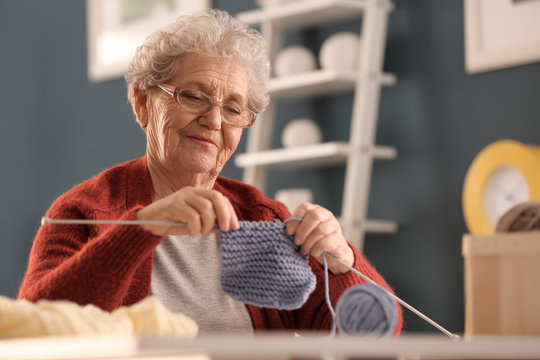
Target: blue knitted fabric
x,y
262,266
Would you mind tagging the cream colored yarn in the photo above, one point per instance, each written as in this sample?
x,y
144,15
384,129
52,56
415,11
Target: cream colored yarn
x,y
149,317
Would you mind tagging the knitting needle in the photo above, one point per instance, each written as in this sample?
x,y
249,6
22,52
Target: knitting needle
x,y
410,307
48,221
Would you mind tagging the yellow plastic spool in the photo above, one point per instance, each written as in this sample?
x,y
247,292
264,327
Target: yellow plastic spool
x,y
525,158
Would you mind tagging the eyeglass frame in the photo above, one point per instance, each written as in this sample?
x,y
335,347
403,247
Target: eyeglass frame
x,y
173,90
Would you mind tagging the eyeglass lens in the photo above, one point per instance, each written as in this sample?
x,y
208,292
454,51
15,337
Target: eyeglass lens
x,y
199,102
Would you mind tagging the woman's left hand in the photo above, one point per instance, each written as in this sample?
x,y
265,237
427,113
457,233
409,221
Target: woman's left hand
x,y
318,232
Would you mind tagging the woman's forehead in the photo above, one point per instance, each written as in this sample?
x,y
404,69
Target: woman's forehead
x,y
211,74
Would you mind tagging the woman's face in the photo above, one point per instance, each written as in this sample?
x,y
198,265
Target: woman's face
x,y
197,143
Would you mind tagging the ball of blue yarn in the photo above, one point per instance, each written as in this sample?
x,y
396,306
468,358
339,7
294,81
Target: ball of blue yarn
x,y
366,309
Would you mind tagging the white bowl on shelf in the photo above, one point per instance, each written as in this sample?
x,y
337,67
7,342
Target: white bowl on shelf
x,y
294,60
294,197
340,51
301,132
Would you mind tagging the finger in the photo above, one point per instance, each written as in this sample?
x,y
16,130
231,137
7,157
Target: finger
x,y
235,223
310,222
192,219
343,253
300,211
177,208
321,232
164,210
222,208
205,211
334,266
326,243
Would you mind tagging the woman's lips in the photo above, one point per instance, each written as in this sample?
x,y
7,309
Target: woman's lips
x,y
202,141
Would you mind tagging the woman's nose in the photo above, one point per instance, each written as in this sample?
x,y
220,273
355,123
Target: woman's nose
x,y
212,118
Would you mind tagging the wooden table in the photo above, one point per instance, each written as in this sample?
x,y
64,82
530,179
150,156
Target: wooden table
x,y
271,347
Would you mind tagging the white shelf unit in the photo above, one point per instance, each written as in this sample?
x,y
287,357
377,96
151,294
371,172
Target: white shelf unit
x,y
320,82
329,153
360,151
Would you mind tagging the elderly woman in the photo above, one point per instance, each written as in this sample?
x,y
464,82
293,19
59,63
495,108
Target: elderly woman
x,y
194,88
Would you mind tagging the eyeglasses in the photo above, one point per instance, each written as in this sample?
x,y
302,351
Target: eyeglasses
x,y
198,102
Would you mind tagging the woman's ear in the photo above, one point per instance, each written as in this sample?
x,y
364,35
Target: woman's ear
x,y
141,106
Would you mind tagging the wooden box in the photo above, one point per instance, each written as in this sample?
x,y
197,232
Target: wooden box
x,y
502,283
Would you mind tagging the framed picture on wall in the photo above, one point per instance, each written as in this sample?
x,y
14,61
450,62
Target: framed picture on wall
x,y
115,28
501,33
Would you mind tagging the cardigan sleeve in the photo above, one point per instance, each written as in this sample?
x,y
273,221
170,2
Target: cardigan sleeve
x,y
86,264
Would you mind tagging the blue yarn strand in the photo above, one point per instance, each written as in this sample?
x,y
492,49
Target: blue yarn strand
x,y
292,219
327,296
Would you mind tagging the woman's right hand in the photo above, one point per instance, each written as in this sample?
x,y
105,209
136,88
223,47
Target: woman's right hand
x,y
200,209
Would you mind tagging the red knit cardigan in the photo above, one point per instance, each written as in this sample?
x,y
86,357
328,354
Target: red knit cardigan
x,y
111,265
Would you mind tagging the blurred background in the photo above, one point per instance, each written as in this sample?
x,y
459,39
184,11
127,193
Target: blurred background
x,y
59,129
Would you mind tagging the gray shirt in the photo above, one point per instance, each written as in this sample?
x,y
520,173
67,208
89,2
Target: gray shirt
x,y
185,278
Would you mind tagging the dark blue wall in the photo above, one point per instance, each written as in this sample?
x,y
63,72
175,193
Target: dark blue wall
x,y
59,129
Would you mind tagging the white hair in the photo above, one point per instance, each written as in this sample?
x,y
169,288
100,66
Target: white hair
x,y
209,32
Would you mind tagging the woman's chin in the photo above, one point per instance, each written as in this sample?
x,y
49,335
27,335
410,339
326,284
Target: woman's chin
x,y
200,166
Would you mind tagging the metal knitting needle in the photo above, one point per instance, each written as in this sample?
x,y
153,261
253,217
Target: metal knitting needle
x,y
48,221
410,307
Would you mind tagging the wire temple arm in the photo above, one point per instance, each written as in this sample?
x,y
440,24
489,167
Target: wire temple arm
x,y
410,307
48,221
